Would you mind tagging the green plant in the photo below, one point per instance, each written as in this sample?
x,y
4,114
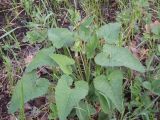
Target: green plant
x,y
91,73
132,16
9,70
89,63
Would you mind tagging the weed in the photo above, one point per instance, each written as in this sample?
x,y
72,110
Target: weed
x,y
91,67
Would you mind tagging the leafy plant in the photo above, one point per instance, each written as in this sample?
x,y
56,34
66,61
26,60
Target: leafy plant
x,y
78,53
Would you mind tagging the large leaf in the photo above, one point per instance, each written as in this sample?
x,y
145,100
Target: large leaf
x,y
113,56
85,110
111,88
42,58
110,32
64,62
60,37
66,97
28,88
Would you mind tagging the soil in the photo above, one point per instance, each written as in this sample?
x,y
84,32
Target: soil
x,y
4,84
4,98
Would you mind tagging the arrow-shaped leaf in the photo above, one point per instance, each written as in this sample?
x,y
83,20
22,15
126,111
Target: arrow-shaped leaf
x,y
113,56
67,98
31,86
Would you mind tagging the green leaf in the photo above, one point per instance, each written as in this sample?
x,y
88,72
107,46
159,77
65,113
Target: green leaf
x,y
111,88
110,32
60,37
91,47
84,34
156,86
36,36
42,58
113,56
66,97
147,85
64,62
30,86
103,116
104,103
153,86
85,110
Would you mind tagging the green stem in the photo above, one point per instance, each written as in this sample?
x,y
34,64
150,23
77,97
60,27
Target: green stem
x,y
79,68
22,113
